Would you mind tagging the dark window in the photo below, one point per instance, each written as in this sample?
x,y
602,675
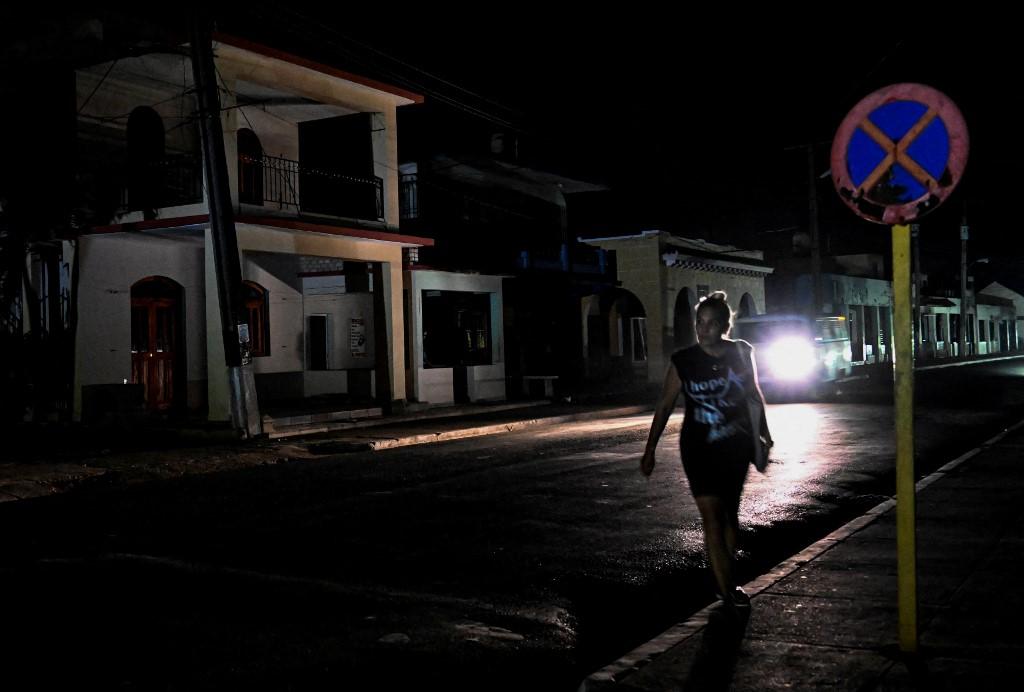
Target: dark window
x,y
250,167
145,135
456,329
336,167
316,336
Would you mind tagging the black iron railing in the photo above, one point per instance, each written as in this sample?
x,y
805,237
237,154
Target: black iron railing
x,y
271,180
408,197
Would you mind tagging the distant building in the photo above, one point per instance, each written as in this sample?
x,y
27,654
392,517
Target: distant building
x,y
502,237
855,286
635,328
852,286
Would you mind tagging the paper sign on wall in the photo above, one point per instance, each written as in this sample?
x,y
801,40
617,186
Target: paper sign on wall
x,y
357,336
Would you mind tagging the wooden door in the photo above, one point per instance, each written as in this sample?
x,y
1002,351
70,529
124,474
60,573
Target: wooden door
x,y
155,338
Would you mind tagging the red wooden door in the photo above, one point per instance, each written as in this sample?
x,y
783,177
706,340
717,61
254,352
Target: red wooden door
x,y
154,349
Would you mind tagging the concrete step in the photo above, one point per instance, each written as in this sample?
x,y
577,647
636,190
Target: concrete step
x,y
311,423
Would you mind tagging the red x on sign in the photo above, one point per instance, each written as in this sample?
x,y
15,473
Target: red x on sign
x,y
899,153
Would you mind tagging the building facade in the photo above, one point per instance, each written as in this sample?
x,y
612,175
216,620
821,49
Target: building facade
x,y
662,277
313,168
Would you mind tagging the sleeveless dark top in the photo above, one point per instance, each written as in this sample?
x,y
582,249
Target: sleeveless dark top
x,y
717,420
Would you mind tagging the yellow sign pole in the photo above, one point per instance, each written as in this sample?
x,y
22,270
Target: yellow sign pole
x,y
903,357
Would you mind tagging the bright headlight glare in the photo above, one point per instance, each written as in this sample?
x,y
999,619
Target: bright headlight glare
x,y
791,358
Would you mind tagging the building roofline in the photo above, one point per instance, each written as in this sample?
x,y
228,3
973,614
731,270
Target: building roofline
x,y
202,220
267,51
366,234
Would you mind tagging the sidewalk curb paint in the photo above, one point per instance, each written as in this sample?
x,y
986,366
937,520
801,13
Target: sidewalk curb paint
x,y
641,656
376,444
958,363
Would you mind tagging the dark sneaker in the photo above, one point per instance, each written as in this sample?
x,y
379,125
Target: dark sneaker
x,y
740,599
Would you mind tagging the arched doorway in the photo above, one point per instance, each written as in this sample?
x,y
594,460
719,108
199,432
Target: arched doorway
x,y
157,340
250,167
682,325
145,135
627,328
747,306
595,337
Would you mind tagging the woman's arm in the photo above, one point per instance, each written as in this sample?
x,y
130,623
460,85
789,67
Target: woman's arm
x,y
669,393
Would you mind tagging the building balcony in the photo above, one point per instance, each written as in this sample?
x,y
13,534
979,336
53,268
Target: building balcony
x,y
586,261
283,184
270,182
171,181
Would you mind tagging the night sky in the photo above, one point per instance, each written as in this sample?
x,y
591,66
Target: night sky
x,y
697,123
694,119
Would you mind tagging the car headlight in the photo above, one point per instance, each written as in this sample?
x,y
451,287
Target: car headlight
x,y
791,358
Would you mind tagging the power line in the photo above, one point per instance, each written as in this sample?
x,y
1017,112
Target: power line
x,y
98,85
377,68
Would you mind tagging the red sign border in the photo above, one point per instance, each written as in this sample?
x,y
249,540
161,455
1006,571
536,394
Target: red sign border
x,y
959,143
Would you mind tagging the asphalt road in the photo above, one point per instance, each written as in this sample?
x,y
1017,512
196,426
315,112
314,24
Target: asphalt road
x,y
524,559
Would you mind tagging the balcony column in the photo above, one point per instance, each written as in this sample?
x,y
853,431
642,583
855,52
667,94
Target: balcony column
x,y
385,148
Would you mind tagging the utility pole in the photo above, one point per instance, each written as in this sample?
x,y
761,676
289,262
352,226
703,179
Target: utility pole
x,y
812,211
245,415
962,332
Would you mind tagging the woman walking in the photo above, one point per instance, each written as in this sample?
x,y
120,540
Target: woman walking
x,y
724,417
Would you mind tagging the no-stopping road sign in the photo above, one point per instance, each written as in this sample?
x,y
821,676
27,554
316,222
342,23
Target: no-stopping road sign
x,y
899,153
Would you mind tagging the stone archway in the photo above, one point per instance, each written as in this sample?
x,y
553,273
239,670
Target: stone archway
x,y
747,306
628,338
683,319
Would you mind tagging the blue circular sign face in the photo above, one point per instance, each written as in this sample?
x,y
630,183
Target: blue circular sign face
x,y
899,153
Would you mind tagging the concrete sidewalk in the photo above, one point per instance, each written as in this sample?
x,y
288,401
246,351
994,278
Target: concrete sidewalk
x,y
827,618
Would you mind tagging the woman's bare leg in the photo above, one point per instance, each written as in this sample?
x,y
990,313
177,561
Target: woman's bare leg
x,y
715,521
732,524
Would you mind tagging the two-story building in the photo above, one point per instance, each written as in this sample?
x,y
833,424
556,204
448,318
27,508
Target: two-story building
x,y
312,159
499,310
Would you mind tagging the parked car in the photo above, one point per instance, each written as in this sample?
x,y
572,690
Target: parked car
x,y
797,355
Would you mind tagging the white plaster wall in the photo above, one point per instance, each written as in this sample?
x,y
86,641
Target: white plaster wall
x,y
278,137
285,317
486,382
254,238
108,266
106,97
342,309
434,385
317,382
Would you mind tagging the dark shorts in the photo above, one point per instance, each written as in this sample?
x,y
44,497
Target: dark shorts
x,y
719,472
